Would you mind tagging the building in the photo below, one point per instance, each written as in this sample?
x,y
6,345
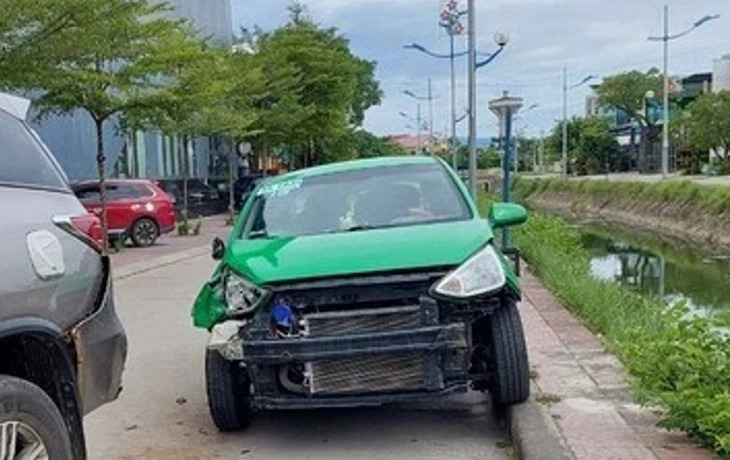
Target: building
x,y
721,74
145,154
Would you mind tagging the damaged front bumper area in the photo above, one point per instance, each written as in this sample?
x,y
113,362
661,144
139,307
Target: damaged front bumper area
x,y
350,357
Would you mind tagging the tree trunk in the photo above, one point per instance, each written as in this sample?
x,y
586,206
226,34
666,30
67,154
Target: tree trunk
x,y
231,181
100,162
186,172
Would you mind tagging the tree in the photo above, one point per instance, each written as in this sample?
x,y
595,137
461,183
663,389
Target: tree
x,y
706,123
368,145
318,90
32,33
627,92
216,93
110,64
591,145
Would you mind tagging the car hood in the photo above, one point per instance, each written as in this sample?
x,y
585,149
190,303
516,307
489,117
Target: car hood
x,y
419,246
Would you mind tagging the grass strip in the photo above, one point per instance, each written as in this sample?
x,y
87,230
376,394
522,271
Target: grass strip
x,y
680,364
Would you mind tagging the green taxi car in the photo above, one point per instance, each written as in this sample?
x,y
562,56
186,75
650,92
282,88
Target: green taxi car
x,y
361,283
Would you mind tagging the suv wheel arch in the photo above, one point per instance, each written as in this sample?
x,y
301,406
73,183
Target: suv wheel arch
x,y
35,350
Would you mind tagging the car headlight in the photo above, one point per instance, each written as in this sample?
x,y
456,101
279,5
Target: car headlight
x,y
242,296
480,274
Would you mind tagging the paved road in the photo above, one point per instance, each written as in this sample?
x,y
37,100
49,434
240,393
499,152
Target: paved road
x,y
151,420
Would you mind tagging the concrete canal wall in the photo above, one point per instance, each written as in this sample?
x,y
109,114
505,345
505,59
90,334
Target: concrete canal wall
x,y
695,213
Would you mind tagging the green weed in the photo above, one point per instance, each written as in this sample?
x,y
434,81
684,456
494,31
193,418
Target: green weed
x,y
680,363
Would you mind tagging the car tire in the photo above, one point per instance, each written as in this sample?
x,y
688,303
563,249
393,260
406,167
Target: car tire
x,y
229,393
144,232
511,378
30,415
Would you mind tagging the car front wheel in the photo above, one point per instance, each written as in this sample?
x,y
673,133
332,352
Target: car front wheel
x,y
144,232
31,426
229,393
511,378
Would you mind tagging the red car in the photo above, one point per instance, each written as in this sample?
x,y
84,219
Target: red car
x,y
136,208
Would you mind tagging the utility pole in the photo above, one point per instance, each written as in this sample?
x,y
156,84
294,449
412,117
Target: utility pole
x,y
454,154
418,128
472,100
565,122
665,131
430,115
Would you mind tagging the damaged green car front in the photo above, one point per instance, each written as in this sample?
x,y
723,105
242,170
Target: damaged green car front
x,y
362,283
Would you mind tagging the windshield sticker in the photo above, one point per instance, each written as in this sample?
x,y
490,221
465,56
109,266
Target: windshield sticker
x,y
280,189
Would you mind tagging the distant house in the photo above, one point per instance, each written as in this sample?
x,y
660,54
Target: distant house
x,y
409,142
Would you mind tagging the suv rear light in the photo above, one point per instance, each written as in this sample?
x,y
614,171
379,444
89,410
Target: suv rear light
x,y
86,228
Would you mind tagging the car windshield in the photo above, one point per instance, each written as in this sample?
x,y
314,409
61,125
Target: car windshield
x,y
356,200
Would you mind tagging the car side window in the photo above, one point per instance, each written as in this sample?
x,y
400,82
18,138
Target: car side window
x,y
88,194
23,161
139,191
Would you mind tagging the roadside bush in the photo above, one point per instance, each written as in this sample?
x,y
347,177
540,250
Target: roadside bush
x,y
680,363
183,228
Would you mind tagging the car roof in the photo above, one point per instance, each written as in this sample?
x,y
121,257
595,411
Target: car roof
x,y
354,165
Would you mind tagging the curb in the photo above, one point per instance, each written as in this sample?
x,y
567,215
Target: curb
x,y
533,432
130,270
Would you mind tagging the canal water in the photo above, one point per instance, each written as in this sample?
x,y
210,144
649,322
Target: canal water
x,y
659,268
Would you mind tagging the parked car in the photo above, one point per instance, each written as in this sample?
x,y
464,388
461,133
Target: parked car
x,y
137,209
361,283
62,347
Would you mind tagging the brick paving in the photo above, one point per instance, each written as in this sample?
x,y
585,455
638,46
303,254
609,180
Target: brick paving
x,y
214,226
584,388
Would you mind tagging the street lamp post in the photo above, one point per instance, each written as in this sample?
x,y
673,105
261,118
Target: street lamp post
x,y
665,39
565,114
450,20
505,108
417,121
428,98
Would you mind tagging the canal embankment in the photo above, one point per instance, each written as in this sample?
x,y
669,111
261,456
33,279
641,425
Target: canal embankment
x,y
694,213
678,363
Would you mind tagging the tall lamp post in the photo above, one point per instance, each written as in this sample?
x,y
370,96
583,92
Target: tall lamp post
x,y
417,120
501,40
566,88
666,38
505,108
430,98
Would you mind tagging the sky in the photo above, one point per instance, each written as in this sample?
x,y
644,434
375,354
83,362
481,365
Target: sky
x,y
589,37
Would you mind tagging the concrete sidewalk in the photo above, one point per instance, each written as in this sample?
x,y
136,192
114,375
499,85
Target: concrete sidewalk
x,y
582,391
169,245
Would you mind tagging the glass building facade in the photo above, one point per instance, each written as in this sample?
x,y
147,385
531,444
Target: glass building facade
x,y
72,138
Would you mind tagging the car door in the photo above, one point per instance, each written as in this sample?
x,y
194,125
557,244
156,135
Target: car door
x,y
121,211
46,272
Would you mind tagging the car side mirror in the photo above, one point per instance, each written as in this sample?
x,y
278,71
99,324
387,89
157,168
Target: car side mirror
x,y
218,249
507,215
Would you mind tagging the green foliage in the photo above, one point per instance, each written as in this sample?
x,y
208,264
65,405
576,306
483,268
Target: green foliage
x,y
591,145
183,228
706,123
680,363
197,228
32,36
368,145
626,91
318,90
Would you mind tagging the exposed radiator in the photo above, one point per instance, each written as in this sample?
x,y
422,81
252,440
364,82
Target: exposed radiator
x,y
362,321
368,374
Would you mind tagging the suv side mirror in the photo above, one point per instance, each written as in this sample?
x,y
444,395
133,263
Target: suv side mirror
x,y
218,249
507,215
